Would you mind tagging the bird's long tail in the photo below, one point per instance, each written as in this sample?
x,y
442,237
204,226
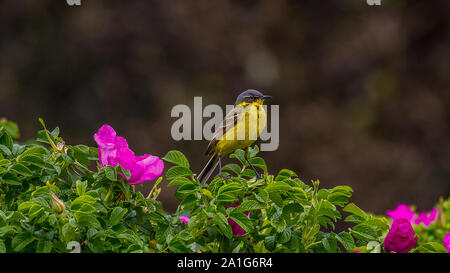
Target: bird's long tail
x,y
208,169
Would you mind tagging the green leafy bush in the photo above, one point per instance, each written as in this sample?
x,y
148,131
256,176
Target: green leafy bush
x,y
52,200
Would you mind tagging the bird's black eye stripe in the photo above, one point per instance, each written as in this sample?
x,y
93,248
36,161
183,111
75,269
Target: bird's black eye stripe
x,y
251,97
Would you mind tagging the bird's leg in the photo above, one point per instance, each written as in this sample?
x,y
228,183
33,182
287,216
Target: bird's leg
x,y
248,161
220,169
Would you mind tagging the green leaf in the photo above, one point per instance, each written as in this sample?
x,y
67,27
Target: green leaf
x,y
96,245
87,221
328,209
378,224
226,197
229,188
125,172
117,215
179,181
32,159
162,233
259,162
86,198
248,173
178,246
11,128
243,221
67,158
222,223
253,151
5,230
284,174
293,208
278,187
11,182
7,140
355,219
188,202
110,173
4,162
35,150
21,240
346,240
186,188
35,211
276,198
55,132
178,171
227,192
364,232
352,208
373,247
279,224
82,204
248,206
342,190
294,243
84,208
430,247
2,247
44,246
270,243
284,236
176,158
240,155
21,169
232,167
26,205
81,187
262,196
329,243
5,150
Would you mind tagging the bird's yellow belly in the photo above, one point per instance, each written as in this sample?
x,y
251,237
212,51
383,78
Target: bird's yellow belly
x,y
248,128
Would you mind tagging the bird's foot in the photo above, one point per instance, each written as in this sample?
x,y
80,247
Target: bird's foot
x,y
258,176
224,176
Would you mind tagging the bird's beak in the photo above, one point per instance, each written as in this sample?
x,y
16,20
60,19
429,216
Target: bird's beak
x,y
266,97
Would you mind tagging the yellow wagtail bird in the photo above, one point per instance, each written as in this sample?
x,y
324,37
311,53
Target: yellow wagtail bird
x,y
239,129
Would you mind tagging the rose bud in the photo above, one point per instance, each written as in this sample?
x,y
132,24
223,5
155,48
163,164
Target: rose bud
x,y
400,238
57,204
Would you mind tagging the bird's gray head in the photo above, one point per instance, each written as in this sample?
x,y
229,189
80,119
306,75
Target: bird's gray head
x,y
251,96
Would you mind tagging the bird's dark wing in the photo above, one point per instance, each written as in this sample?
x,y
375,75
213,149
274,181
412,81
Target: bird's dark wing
x,y
228,122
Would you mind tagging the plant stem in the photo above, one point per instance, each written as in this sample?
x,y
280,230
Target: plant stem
x,y
82,166
109,192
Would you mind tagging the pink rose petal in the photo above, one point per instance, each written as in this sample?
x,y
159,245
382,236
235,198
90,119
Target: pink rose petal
x,y
185,219
113,150
446,242
426,218
401,211
400,238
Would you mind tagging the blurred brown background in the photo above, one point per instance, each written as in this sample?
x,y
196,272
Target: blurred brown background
x,y
363,90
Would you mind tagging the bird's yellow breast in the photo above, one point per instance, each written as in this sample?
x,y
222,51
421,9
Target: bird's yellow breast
x,y
250,124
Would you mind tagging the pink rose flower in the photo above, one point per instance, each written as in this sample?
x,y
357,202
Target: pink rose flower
x,y
426,218
402,211
400,238
184,219
237,230
446,242
113,150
